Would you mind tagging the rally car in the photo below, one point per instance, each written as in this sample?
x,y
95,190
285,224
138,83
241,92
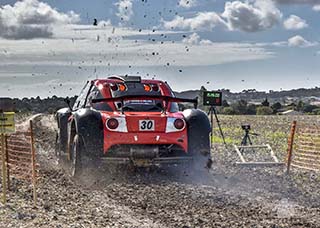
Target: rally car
x,y
127,120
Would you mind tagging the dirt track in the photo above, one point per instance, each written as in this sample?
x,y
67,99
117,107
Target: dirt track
x,y
226,196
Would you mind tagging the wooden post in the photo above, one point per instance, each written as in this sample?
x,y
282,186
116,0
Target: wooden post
x,y
33,161
290,144
4,167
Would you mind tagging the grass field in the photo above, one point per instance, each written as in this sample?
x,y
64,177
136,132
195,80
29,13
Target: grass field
x,y
273,130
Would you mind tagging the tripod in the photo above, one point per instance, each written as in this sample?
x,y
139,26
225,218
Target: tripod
x,y
246,138
213,111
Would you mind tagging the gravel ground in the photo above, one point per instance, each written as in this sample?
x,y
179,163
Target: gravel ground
x,y
225,196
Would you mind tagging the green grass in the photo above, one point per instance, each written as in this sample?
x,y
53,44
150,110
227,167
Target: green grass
x,y
218,139
272,129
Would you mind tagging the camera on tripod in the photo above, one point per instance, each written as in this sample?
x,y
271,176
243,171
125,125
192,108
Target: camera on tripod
x,y
246,138
246,127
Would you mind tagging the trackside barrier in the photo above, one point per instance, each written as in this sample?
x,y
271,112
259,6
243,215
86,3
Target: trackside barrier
x,y
18,158
304,147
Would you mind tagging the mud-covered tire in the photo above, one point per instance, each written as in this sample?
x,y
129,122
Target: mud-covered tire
x,y
198,126
201,157
75,157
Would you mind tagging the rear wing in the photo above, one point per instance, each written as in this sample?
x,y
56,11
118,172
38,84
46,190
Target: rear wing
x,y
166,99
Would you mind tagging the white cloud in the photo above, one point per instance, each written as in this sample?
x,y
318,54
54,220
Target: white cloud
x,y
294,23
202,21
299,41
194,38
125,10
187,3
29,19
251,16
104,23
298,1
316,8
84,50
205,42
244,16
279,44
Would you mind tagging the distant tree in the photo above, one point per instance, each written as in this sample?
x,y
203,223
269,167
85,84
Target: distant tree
x,y
203,88
263,110
276,107
265,103
240,107
292,104
228,111
300,106
200,98
225,103
309,108
316,111
251,109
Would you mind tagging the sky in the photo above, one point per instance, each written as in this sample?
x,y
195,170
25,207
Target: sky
x,y
52,47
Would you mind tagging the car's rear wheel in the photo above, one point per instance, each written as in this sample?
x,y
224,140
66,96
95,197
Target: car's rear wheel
x,y
201,156
75,158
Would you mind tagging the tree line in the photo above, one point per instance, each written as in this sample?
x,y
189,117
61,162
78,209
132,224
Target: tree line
x,y
242,107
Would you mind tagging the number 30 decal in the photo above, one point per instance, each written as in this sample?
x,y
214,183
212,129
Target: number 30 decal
x,y
146,125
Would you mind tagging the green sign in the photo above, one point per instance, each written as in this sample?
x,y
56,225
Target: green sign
x,y
212,98
213,94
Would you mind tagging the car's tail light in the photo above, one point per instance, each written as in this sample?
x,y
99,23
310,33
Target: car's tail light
x,y
179,124
147,87
118,124
122,87
175,124
155,87
112,123
114,87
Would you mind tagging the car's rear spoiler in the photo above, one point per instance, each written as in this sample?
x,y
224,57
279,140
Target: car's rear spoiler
x,y
147,97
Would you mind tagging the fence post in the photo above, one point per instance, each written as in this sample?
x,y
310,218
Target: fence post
x,y
7,161
33,161
290,144
4,167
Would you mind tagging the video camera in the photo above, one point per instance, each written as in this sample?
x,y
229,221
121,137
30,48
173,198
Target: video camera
x,y
246,127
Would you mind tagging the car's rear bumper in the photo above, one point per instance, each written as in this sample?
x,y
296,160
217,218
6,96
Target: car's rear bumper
x,y
147,138
147,162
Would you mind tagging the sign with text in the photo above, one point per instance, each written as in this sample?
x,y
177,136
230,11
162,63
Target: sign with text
x,y
212,98
7,123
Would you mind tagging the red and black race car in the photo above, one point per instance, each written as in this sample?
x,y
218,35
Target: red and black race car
x,y
129,120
